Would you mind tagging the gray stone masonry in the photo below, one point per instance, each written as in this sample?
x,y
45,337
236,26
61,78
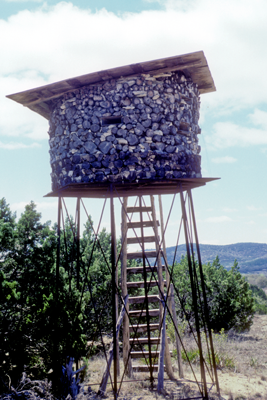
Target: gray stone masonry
x,y
126,130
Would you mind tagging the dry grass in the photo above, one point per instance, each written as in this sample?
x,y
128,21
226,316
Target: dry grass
x,y
245,377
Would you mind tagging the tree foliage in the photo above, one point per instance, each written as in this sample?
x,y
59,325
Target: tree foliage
x,y
34,313
229,298
260,299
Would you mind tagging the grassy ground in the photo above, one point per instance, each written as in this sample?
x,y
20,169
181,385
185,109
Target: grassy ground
x,y
242,370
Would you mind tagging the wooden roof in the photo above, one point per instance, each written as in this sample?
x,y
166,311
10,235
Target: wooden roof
x,y
192,64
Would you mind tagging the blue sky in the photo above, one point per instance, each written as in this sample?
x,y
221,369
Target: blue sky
x,y
43,42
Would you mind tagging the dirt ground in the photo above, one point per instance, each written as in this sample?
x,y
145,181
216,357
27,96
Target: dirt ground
x,y
249,350
245,379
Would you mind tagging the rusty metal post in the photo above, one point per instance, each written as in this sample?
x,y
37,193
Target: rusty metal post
x,y
114,291
58,244
56,362
117,296
204,291
78,218
194,292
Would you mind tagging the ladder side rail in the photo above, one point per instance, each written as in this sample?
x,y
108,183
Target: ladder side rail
x,y
168,362
126,333
146,292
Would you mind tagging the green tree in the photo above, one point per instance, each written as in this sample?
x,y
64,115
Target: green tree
x,y
33,317
27,287
229,298
260,299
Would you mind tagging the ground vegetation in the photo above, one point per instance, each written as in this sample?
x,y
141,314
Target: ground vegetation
x,y
44,320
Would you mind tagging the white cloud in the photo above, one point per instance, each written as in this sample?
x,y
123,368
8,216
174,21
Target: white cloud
x,y
253,208
69,46
230,210
224,160
15,120
80,41
17,145
220,219
259,118
229,134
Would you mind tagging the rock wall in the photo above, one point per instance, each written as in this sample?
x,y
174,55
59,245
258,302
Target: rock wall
x,y
131,129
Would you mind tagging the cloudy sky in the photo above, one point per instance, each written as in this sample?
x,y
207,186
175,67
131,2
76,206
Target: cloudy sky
x,y
43,42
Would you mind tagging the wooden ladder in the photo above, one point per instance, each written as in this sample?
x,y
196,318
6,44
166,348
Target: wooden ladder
x,y
149,317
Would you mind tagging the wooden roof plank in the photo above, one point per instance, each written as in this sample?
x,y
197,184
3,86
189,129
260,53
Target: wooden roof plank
x,y
195,64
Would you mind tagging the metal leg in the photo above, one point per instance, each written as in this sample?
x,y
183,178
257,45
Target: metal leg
x,y
194,297
114,291
56,361
204,291
78,219
196,279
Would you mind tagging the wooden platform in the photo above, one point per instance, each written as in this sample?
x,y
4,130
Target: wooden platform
x,y
127,189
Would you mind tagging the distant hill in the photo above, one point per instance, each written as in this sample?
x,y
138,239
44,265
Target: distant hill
x,y
251,257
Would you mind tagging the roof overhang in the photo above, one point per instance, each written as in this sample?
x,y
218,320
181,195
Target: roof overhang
x,y
194,65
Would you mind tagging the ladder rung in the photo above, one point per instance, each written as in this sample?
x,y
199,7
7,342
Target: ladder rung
x,y
138,209
139,224
140,270
141,284
147,239
145,368
143,327
141,299
140,313
153,340
144,354
139,254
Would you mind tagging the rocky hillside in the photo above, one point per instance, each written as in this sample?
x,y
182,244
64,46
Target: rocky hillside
x,y
251,257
